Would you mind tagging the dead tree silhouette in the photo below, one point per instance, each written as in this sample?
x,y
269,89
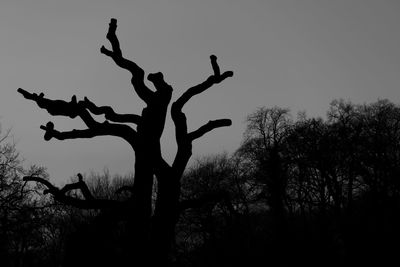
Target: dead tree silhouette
x,y
149,232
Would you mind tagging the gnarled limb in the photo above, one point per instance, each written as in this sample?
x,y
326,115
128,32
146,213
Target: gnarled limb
x,y
70,109
137,73
159,83
53,107
74,109
184,151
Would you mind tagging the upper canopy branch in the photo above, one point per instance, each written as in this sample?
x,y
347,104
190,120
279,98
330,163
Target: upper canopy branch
x,y
61,194
216,78
137,73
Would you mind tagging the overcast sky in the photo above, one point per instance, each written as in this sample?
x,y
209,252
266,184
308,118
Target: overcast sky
x,y
299,54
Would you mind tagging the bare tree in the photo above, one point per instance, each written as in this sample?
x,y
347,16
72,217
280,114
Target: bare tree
x,y
149,231
265,137
20,230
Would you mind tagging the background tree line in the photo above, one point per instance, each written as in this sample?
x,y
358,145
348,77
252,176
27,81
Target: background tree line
x,y
322,192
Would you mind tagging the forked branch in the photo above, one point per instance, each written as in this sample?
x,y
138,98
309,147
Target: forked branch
x,y
183,138
216,78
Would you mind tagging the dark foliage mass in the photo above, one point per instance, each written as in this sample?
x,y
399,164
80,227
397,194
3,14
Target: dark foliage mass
x,y
307,191
23,214
321,192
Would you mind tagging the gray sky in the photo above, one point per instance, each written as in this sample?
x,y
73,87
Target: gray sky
x,y
300,54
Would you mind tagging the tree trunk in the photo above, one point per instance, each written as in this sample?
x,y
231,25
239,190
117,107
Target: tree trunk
x,y
136,239
165,218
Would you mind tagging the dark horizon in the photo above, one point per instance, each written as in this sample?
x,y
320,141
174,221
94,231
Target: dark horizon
x,y
300,55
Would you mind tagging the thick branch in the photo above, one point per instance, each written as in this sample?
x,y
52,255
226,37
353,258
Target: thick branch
x,y
59,195
180,122
137,73
183,138
209,126
110,114
184,151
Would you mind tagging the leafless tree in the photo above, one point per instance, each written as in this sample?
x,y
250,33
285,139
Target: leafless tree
x,y
149,232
